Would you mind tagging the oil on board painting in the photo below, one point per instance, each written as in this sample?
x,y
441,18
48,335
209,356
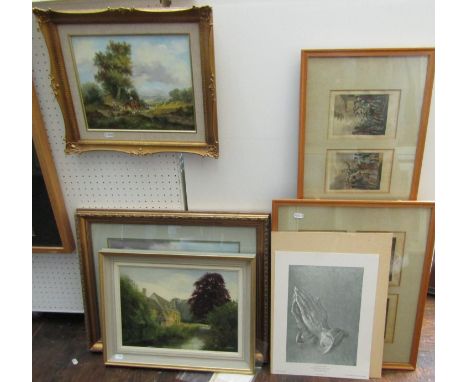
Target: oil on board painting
x,y
323,314
135,82
364,113
188,308
354,170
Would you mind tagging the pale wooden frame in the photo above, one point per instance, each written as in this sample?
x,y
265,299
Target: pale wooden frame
x,y
49,20
49,173
394,52
249,260
426,269
341,242
261,222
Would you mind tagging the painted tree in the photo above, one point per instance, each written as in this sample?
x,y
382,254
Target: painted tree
x,y
115,71
210,291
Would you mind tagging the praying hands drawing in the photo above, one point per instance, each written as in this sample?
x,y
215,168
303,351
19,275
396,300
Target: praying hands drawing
x,y
312,322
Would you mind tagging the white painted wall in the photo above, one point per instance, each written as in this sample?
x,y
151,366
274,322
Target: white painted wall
x,y
257,52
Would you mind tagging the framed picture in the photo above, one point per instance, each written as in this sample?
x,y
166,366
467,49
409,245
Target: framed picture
x,y
178,310
136,81
390,317
201,232
363,122
51,231
412,226
302,353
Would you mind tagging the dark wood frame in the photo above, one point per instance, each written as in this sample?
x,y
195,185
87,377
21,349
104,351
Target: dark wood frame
x,y
394,52
49,173
49,21
261,222
411,365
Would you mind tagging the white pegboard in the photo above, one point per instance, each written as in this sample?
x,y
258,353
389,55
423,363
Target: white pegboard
x,y
91,180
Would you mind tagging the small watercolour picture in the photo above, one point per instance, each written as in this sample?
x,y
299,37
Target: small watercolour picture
x,y
364,113
396,258
174,245
135,82
390,317
358,170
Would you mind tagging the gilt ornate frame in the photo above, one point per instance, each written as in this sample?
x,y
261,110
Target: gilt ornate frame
x,y
205,143
86,218
49,173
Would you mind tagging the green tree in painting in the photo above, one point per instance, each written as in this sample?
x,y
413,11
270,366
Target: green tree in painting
x,y
92,94
136,314
223,328
115,71
182,95
210,292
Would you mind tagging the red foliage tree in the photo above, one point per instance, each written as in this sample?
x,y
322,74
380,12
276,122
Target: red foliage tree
x,y
210,292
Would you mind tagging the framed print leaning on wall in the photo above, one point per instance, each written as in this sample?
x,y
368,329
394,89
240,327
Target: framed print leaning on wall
x,y
313,349
136,81
51,230
202,232
178,310
412,226
363,122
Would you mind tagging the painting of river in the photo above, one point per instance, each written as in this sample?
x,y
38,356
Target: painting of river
x,y
179,308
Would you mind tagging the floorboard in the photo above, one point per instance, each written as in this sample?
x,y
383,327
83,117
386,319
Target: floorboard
x,y
57,339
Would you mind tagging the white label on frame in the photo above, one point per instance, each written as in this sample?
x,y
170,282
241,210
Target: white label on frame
x,y
298,215
119,357
108,135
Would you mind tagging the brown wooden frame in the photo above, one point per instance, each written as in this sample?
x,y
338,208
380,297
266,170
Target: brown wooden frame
x,y
261,222
51,181
394,52
411,365
49,21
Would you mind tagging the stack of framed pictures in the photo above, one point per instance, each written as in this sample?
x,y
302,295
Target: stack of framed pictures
x,y
328,303
363,122
166,264
411,224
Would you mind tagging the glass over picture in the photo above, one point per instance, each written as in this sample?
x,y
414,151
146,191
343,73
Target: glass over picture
x,y
364,113
179,307
135,82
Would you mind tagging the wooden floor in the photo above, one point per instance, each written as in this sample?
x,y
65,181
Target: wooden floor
x,y
57,339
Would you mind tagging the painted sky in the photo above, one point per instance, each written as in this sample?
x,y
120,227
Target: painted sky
x,y
160,62
175,282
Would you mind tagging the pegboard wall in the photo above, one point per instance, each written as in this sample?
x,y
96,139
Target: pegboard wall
x,y
92,180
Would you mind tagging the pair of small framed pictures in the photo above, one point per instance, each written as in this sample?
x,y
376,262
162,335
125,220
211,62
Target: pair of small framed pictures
x,y
363,122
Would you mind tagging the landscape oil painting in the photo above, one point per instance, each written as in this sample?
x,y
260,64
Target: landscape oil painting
x,y
135,82
358,170
184,308
369,113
